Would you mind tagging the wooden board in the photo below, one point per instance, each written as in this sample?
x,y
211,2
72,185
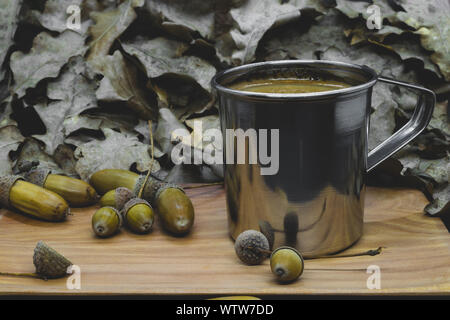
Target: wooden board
x,y
416,258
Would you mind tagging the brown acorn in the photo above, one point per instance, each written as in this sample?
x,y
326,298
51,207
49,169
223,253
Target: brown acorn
x,y
252,247
49,263
116,198
175,210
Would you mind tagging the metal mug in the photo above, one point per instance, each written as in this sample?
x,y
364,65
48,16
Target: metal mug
x,y
315,202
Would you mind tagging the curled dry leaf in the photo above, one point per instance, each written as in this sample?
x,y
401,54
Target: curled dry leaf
x,y
121,83
74,93
117,151
109,25
431,19
10,140
252,20
194,15
32,150
9,13
170,130
56,16
45,60
161,56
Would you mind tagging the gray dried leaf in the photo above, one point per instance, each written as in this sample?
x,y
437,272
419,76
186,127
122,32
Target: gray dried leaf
x,y
440,205
437,169
45,60
440,119
64,157
109,25
195,15
431,19
5,115
327,32
117,151
206,123
121,83
55,16
251,21
10,140
9,13
74,93
168,123
161,56
33,150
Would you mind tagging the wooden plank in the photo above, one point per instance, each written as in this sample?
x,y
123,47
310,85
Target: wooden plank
x,y
416,258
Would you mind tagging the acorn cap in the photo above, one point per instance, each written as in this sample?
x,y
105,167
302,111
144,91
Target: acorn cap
x,y
251,247
37,176
49,263
118,215
122,196
130,204
6,183
153,188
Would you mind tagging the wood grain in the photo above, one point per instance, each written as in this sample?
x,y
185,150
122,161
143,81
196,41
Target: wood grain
x,y
416,258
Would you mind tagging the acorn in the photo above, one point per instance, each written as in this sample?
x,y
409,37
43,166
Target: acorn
x,y
252,247
32,199
116,198
106,222
287,264
110,179
138,215
49,263
175,210
75,191
173,205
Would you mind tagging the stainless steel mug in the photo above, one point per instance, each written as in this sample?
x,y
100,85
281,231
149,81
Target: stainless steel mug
x,y
315,201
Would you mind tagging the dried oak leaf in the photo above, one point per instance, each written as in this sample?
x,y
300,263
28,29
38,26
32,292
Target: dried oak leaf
x,y
74,93
9,13
165,135
33,150
5,115
10,140
326,32
194,15
251,21
441,202
55,16
431,19
161,56
117,151
109,25
45,60
121,83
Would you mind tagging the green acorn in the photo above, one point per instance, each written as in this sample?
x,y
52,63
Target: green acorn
x,y
138,215
106,222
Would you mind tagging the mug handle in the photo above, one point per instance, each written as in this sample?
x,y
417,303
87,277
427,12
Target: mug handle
x,y
417,123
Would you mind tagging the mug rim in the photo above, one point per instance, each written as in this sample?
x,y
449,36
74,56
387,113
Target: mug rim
x,y
216,80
